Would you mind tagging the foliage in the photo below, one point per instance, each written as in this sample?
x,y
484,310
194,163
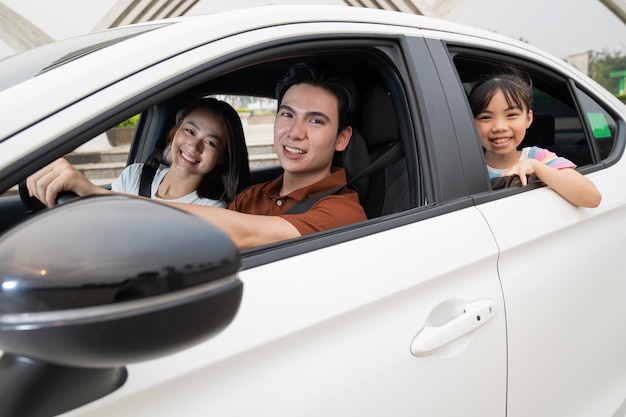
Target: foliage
x,y
131,122
603,64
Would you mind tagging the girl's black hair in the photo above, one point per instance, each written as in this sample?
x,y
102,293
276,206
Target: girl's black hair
x,y
232,175
515,85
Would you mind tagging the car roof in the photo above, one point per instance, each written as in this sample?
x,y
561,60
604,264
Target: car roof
x,y
194,30
103,63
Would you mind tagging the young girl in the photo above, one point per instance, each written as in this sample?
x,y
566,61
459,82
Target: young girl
x,y
501,106
208,163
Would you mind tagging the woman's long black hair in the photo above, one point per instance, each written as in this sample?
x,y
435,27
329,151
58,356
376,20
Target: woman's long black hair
x,y
232,175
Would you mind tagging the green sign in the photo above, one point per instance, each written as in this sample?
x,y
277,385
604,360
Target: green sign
x,y
599,125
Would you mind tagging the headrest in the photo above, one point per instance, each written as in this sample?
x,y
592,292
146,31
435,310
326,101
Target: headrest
x,y
541,131
379,120
355,158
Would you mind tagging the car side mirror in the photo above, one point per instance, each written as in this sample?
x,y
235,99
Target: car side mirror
x,y
95,284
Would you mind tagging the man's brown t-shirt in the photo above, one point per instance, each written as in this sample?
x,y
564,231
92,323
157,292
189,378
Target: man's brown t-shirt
x,y
335,210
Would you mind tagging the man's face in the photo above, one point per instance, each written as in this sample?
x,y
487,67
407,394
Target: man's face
x,y
306,131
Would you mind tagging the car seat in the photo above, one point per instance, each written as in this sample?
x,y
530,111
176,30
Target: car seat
x,y
386,190
541,132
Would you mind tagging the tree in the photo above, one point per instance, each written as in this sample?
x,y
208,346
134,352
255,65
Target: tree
x,y
603,64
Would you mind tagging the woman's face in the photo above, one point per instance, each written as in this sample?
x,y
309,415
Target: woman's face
x,y
199,143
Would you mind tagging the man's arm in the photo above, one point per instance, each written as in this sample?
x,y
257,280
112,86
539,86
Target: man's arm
x,y
246,230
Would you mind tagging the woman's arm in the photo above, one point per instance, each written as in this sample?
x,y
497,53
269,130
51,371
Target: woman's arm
x,y
58,176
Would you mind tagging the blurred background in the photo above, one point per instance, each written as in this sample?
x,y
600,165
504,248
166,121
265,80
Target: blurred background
x,y
589,34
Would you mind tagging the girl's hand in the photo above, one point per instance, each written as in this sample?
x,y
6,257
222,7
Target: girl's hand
x,y
523,169
568,183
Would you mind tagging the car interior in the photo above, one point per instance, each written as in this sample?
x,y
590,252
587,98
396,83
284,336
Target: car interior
x,y
557,124
376,131
376,168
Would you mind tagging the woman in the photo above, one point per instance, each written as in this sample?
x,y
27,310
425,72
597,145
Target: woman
x,y
208,163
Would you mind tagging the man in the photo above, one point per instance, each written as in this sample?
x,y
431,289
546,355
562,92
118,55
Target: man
x,y
312,123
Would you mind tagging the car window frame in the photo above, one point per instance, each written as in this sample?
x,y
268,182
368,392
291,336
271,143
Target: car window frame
x,y
395,52
536,69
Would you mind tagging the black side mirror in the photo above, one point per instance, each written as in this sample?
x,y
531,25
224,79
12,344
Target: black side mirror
x,y
101,282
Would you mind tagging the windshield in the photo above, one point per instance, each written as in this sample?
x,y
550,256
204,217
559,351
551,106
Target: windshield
x,y
20,67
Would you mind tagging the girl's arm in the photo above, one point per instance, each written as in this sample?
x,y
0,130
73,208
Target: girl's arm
x,y
568,183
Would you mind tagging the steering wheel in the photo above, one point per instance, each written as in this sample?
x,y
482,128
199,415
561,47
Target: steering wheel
x,y
33,205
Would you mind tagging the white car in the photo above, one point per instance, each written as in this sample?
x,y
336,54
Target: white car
x,y
453,299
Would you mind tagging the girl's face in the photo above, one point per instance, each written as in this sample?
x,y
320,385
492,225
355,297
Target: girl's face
x,y
501,127
199,143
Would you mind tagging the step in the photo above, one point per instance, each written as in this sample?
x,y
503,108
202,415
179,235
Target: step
x,y
104,170
262,160
120,154
117,154
260,149
94,171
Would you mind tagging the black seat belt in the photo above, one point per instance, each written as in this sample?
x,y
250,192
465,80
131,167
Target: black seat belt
x,y
389,156
148,171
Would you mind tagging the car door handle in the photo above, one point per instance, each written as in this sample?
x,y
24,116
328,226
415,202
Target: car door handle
x,y
474,315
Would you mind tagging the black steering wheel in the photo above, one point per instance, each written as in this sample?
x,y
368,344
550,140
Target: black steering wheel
x,y
32,205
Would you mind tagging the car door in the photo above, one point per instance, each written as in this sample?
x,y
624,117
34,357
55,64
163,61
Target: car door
x,y
330,332
562,291
557,261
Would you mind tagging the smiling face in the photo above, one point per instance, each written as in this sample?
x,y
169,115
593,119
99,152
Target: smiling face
x,y
306,132
199,143
502,127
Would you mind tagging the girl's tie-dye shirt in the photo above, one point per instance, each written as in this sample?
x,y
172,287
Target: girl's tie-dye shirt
x,y
543,155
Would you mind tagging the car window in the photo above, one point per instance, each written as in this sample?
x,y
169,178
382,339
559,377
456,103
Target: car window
x,y
104,157
569,136
602,125
558,125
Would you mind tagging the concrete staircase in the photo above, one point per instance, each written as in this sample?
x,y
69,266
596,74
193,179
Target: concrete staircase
x,y
104,166
101,167
103,163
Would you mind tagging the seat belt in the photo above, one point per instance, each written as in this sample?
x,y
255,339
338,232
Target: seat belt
x,y
390,155
145,181
149,169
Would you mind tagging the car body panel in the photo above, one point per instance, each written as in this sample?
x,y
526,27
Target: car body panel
x,y
343,325
551,356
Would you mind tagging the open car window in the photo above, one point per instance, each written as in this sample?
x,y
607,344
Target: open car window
x,y
565,121
248,86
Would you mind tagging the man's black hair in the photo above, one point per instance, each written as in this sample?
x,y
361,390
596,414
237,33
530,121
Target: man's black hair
x,y
311,74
